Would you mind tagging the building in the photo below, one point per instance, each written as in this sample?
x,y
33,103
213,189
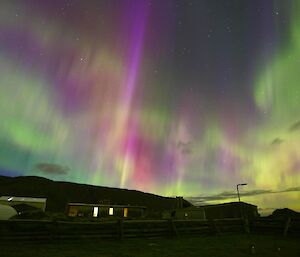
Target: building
x,y
217,211
6,212
104,210
24,203
179,202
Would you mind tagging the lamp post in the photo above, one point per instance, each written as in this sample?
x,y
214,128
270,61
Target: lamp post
x,y
237,189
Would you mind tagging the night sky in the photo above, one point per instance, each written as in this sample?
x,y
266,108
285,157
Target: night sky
x,y
169,97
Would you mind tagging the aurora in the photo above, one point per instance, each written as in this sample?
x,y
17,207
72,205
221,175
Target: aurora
x,y
170,97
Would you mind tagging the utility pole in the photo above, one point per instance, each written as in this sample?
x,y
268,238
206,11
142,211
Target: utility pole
x,y
237,189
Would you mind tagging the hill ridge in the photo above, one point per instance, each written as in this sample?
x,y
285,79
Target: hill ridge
x,y
59,193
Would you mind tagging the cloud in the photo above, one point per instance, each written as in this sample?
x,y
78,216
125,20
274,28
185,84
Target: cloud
x,y
185,148
50,168
227,195
277,141
292,189
295,126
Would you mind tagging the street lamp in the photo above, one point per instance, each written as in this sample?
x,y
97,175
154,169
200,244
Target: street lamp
x,y
237,189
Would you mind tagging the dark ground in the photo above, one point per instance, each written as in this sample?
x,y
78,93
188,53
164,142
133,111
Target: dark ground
x,y
204,246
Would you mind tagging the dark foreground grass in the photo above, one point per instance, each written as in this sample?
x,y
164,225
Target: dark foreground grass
x,y
202,246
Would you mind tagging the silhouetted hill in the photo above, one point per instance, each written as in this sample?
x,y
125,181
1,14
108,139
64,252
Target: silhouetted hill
x,y
58,194
284,213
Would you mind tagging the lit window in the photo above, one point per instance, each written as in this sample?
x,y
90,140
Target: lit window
x,y
95,212
111,211
125,212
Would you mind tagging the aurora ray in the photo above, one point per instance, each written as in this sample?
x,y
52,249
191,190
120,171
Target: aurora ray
x,y
170,97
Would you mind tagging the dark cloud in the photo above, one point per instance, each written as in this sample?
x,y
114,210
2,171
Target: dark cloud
x,y
205,199
256,192
50,168
277,141
292,189
185,148
295,126
227,195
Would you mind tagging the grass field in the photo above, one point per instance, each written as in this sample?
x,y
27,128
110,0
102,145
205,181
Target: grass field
x,y
220,245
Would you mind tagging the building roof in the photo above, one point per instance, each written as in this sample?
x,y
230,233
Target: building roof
x,y
217,205
7,212
230,203
22,199
107,205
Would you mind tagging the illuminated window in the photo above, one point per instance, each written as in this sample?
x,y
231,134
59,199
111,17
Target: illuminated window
x,y
125,212
111,211
95,212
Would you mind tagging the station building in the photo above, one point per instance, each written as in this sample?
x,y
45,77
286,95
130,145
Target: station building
x,y
104,210
216,211
24,203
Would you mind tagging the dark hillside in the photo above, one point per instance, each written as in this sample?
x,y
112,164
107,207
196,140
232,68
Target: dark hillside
x,y
58,194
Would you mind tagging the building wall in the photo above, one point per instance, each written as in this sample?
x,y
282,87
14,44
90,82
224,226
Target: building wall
x,y
98,211
234,210
222,211
38,205
189,213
